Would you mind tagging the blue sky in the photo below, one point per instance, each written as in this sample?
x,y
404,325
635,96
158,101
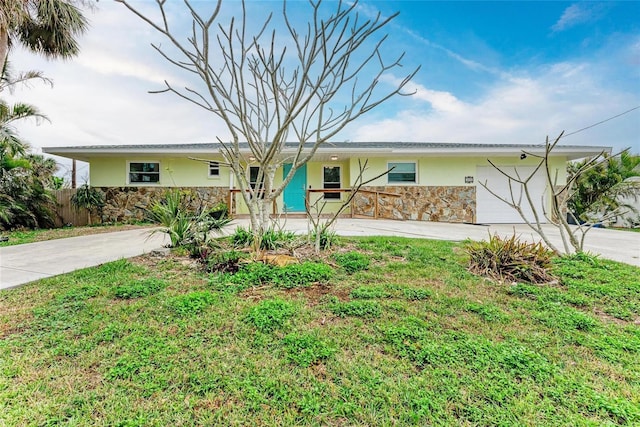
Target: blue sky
x,y
491,72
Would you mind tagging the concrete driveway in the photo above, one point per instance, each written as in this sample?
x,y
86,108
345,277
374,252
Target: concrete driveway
x,y
623,246
22,264
25,263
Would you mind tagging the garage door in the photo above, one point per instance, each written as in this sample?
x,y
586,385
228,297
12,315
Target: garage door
x,y
490,209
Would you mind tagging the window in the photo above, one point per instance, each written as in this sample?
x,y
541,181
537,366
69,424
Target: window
x,y
254,171
402,173
144,173
214,169
331,179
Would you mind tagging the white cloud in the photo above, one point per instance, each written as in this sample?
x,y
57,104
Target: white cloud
x,y
525,109
101,97
576,14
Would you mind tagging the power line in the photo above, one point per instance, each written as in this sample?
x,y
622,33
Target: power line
x,y
601,122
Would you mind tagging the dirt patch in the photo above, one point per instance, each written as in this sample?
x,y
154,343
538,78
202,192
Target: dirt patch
x,y
611,319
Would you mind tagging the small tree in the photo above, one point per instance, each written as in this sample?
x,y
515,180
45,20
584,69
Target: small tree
x,y
280,82
572,236
314,211
599,191
89,198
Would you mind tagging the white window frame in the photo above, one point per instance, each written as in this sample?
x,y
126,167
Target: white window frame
x,y
142,184
324,195
415,167
211,166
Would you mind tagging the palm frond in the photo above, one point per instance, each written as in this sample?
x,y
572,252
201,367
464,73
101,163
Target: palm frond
x,y
52,29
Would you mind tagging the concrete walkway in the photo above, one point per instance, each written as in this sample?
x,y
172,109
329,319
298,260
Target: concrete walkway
x,y
25,263
22,264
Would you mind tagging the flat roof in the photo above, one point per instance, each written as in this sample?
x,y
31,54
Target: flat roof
x,y
368,149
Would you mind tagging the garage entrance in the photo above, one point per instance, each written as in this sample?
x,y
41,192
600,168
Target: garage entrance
x,y
489,209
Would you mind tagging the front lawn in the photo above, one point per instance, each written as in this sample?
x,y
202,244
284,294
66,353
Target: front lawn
x,y
408,338
20,237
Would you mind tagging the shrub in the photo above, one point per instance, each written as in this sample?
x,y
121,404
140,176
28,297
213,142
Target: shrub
x,y
273,239
242,237
369,292
290,276
140,288
487,312
307,349
270,315
89,198
510,260
219,211
414,294
357,309
200,239
352,261
171,214
192,303
224,261
304,274
328,238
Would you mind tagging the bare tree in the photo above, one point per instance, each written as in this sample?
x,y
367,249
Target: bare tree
x,y
315,210
572,236
304,85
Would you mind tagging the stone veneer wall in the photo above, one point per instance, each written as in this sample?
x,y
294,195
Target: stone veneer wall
x,y
128,204
443,204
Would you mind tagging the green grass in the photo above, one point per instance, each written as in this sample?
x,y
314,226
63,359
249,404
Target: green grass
x,y
414,339
20,237
633,230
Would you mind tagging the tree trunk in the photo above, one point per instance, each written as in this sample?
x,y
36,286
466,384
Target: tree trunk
x,y
4,46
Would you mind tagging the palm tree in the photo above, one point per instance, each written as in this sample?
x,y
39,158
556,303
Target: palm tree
x,y
25,179
598,191
47,27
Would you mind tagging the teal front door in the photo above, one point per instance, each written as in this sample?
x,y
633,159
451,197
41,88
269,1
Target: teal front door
x,y
295,192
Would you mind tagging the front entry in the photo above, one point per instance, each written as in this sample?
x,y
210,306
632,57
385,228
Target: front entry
x,y
295,192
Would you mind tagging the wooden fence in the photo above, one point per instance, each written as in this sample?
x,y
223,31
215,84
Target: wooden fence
x,y
65,212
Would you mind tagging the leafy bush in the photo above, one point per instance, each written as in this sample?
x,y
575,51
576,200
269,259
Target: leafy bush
x,y
273,239
328,238
295,275
290,276
307,349
416,294
224,261
369,292
270,314
242,237
89,198
171,214
80,293
598,191
185,227
510,260
192,303
357,309
200,239
219,211
253,274
488,312
139,288
352,261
